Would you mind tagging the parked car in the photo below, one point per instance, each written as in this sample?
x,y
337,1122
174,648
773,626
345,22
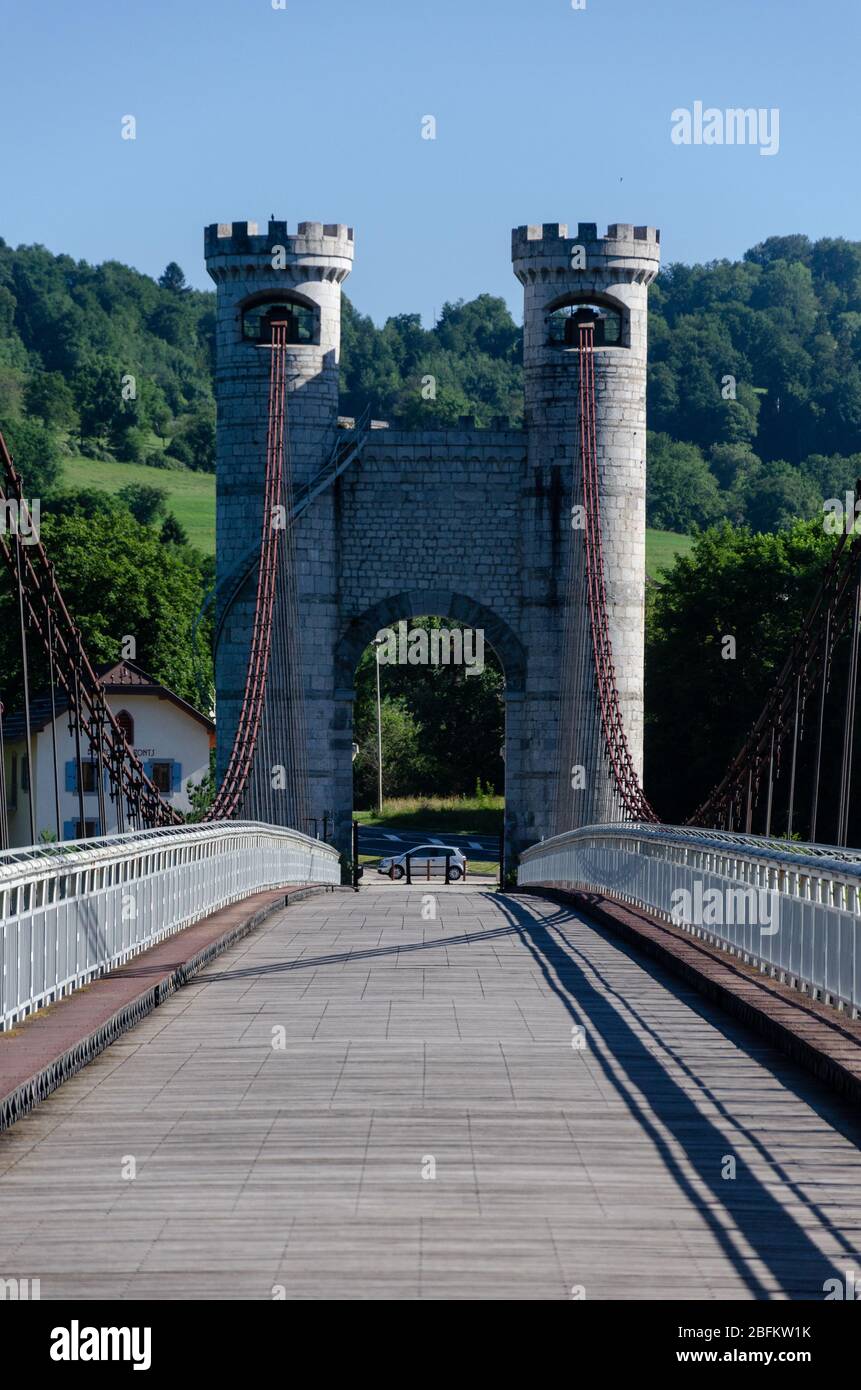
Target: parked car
x,y
425,860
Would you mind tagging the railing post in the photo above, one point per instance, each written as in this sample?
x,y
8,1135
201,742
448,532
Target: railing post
x,y
355,856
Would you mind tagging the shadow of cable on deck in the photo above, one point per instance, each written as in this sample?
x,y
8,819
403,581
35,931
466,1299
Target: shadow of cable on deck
x,y
350,957
773,1234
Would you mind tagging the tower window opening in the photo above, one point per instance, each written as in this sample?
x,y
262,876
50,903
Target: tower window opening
x,y
303,324
564,325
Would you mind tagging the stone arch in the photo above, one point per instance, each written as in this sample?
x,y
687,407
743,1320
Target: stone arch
x,y
585,295
276,295
416,603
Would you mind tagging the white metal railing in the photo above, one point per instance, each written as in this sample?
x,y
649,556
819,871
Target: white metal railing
x,y
72,911
791,908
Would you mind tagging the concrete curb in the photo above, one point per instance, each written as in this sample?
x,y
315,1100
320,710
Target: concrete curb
x,y
819,1038
29,1091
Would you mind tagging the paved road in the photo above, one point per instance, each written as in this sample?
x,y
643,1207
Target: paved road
x,y
409,1039
379,839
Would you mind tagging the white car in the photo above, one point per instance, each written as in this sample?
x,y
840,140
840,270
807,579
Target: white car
x,y
426,861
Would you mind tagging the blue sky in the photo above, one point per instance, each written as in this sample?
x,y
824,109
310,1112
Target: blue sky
x,y
544,113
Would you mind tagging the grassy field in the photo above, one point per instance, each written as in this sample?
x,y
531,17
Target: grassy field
x,y
191,496
662,547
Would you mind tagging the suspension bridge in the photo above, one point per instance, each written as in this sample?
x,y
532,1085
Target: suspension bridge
x,y
630,1076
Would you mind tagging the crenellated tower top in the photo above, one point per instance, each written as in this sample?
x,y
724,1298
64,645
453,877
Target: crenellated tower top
x,y
545,253
315,251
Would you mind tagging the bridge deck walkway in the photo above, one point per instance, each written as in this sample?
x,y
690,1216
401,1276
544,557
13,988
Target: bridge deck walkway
x,y
299,1166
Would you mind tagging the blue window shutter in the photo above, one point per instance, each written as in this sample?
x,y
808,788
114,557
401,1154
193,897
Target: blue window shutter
x,y
148,767
175,776
97,827
71,776
68,827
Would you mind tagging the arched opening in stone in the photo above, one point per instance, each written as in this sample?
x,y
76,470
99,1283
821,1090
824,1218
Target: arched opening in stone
x,y
564,320
445,685
301,317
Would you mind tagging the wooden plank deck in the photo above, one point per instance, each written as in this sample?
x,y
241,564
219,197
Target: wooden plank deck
x,y
264,1169
50,1045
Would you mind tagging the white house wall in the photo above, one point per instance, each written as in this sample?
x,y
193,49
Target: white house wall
x,y
162,732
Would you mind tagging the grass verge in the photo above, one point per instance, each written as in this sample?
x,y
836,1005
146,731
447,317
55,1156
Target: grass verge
x,y
459,815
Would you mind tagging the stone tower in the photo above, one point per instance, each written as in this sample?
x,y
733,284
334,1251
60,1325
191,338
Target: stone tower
x,y
560,275
468,524
255,273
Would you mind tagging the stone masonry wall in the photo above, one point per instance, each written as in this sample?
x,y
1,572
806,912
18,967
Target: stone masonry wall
x,y
430,523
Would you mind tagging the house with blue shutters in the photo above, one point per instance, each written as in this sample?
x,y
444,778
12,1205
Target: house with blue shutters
x,y
170,736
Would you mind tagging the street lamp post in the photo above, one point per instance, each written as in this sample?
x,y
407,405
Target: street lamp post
x,y
378,642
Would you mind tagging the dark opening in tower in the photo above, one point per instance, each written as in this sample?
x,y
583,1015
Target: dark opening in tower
x,y
302,320
563,325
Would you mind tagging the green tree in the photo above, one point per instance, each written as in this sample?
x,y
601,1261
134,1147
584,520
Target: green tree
x,y
833,476
778,495
403,756
680,491
132,444
7,312
202,794
48,396
173,278
35,453
169,321
754,588
98,392
173,532
145,502
194,443
117,579
153,411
